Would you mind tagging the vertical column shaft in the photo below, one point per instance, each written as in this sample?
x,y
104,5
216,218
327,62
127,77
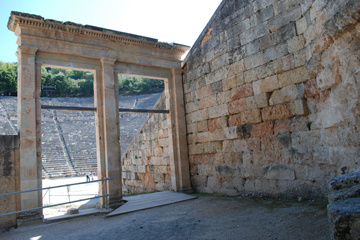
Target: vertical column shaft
x,y
179,160
108,130
28,127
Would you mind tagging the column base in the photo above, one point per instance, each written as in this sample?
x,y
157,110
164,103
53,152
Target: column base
x,y
29,218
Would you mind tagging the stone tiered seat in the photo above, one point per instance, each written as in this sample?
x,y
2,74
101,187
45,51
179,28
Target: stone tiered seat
x,y
53,155
78,129
79,135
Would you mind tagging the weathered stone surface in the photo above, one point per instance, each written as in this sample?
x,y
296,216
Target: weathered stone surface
x,y
297,75
301,25
258,101
251,116
275,52
223,97
254,33
237,106
286,94
299,107
235,120
262,14
284,18
9,162
216,87
229,83
321,44
262,129
204,91
282,126
206,102
254,60
329,76
72,211
350,192
295,44
216,123
344,181
269,84
311,88
344,218
279,171
242,92
276,112
218,111
305,61
202,126
235,68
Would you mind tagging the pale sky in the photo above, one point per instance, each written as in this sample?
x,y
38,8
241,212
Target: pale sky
x,y
179,21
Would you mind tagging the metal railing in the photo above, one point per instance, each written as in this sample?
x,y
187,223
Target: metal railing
x,y
65,185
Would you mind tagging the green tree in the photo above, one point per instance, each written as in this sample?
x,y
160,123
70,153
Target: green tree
x,y
8,77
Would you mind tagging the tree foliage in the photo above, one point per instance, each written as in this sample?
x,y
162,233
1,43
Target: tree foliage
x,y
8,78
73,83
138,84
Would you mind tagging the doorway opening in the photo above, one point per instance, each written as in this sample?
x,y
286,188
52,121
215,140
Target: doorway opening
x,y
68,137
144,135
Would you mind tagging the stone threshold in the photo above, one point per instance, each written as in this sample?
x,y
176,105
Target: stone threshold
x,y
82,213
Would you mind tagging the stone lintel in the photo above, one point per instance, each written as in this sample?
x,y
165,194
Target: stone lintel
x,y
25,19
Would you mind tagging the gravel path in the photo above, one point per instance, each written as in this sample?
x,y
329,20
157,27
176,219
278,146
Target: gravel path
x,y
208,217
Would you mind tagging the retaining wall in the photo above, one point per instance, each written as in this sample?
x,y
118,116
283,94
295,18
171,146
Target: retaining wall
x,y
272,97
145,163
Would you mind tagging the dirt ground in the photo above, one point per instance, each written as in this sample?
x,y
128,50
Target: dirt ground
x,y
207,217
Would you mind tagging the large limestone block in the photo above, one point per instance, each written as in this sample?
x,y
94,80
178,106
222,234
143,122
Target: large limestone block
x,y
344,181
251,116
286,94
237,106
294,76
268,84
284,18
258,101
279,171
295,44
262,129
344,218
242,92
276,112
351,192
235,120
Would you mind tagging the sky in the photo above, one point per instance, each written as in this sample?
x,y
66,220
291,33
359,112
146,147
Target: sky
x,y
179,21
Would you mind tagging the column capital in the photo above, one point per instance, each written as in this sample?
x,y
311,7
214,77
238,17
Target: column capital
x,y
107,61
27,50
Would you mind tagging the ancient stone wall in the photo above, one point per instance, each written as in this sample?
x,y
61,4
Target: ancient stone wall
x,y
272,97
146,163
9,178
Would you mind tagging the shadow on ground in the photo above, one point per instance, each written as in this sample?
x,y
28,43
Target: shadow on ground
x,y
208,217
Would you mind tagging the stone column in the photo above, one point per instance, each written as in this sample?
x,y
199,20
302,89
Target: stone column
x,y
28,127
179,160
38,132
108,130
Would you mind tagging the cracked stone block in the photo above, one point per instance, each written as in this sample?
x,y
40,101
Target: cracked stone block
x,y
344,218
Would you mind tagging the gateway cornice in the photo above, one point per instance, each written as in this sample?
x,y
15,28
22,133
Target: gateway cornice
x,y
25,19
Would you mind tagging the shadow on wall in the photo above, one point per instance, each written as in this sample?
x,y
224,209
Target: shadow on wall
x,y
9,175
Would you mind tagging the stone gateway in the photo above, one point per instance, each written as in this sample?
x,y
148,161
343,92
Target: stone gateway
x,y
265,102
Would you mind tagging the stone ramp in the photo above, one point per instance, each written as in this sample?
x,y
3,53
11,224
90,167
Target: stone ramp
x,y
141,202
